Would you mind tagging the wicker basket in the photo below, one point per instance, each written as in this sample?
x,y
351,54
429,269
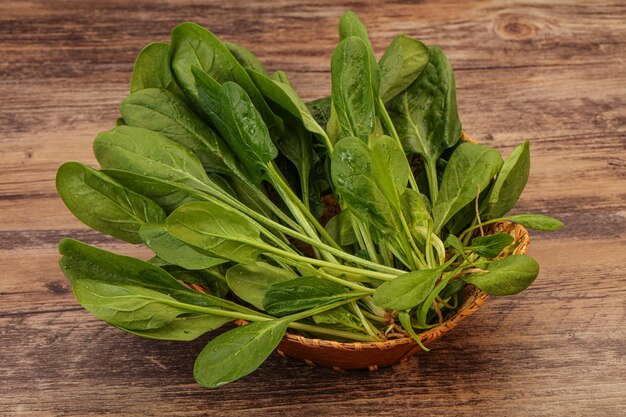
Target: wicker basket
x,y
372,355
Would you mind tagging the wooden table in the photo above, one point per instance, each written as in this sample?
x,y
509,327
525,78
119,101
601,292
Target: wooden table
x,y
551,72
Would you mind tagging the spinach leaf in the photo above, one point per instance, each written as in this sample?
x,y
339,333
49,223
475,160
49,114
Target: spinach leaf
x,y
492,245
303,293
414,209
250,282
82,261
174,251
184,328
390,169
425,114
403,61
536,222
355,84
148,153
239,123
468,172
152,69
408,290
103,204
238,352
245,58
340,228
192,45
339,318
352,174
167,194
218,229
161,111
127,306
506,276
351,25
509,184
283,95
211,279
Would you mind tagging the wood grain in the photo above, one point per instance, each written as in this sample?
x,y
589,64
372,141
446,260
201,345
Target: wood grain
x,y
551,72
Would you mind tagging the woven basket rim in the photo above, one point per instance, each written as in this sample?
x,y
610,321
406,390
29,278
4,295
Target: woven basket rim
x,y
479,297
521,235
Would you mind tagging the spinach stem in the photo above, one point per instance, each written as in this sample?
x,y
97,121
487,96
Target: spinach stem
x,y
319,262
386,120
431,174
310,328
270,204
227,198
298,326
277,176
366,324
367,240
303,222
343,282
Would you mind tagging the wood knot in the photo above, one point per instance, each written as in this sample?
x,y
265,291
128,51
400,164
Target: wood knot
x,y
515,28
57,288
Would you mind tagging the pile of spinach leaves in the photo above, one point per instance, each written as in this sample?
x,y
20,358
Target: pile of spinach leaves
x,y
222,171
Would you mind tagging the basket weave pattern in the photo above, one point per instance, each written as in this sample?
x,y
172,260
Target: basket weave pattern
x,y
372,355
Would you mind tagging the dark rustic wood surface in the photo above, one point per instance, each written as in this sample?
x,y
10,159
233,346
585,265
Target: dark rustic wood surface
x,y
552,72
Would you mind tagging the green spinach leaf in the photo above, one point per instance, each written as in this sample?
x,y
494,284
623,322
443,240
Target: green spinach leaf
x,y
238,352
506,276
184,328
192,45
408,290
218,229
303,293
492,245
250,281
355,84
152,69
82,261
174,251
425,114
468,172
509,184
103,204
536,222
161,111
403,61
126,306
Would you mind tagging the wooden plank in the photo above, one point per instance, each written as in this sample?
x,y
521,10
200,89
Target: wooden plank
x,y
547,71
509,344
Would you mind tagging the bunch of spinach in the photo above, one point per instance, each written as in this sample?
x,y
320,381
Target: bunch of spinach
x,y
221,170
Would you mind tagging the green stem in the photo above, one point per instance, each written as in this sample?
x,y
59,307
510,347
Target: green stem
x,y
273,208
420,258
344,282
310,328
301,219
280,182
428,247
227,198
386,120
367,240
431,174
318,262
366,324
298,326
